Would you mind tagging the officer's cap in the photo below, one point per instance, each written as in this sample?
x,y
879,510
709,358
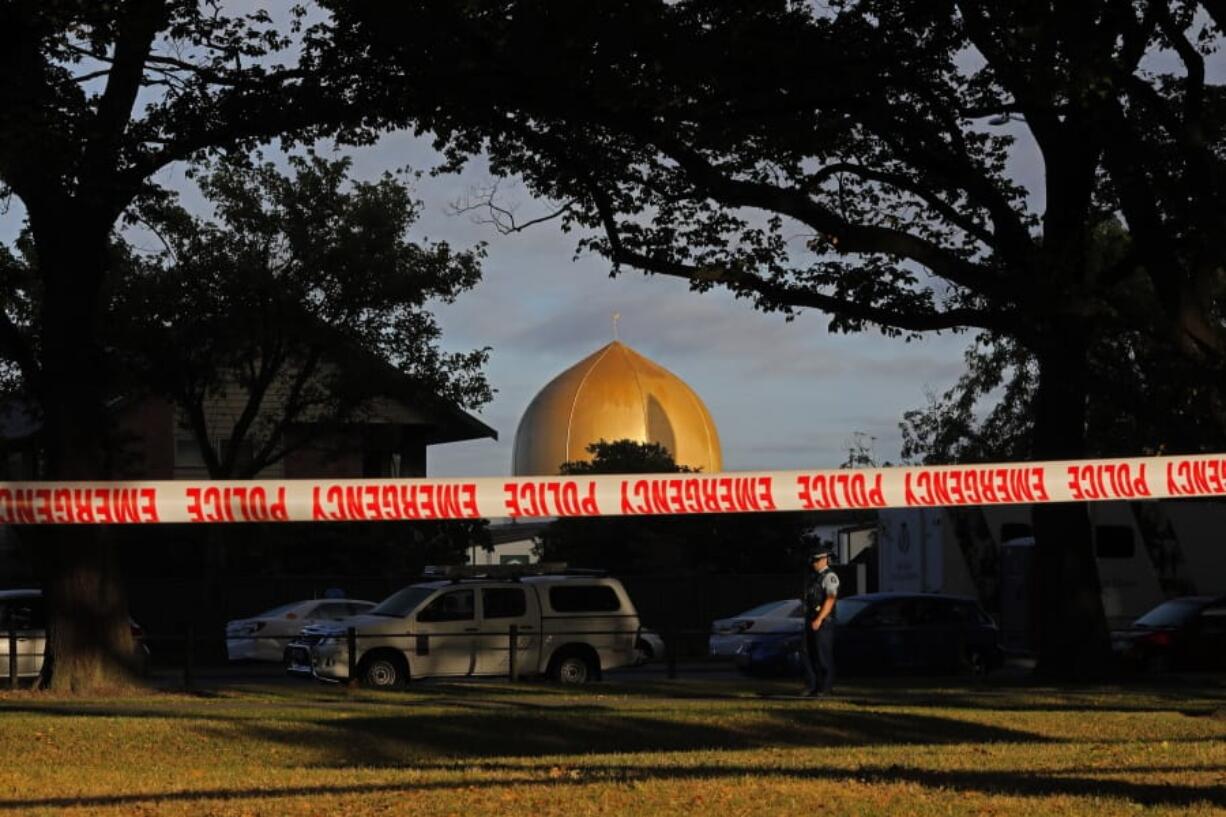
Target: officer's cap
x,y
822,552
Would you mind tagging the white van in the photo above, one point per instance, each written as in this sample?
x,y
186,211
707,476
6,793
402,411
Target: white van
x,y
569,627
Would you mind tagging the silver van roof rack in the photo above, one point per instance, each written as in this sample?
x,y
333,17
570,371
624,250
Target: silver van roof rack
x,y
512,572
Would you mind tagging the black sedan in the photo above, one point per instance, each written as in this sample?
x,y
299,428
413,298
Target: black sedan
x,y
1187,633
893,632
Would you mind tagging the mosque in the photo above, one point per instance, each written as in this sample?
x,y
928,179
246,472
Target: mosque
x,y
615,393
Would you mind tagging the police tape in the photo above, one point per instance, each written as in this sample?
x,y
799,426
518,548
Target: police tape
x,y
347,500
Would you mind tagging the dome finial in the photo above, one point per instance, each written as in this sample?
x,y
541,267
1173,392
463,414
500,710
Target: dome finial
x,y
617,316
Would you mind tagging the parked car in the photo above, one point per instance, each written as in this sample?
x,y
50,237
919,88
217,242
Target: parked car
x,y
648,647
25,612
264,637
892,632
731,636
1184,633
571,628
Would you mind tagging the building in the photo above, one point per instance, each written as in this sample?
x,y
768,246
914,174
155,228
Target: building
x,y
389,436
614,394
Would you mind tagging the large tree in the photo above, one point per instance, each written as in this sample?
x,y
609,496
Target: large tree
x,y
1142,396
96,99
694,138
301,301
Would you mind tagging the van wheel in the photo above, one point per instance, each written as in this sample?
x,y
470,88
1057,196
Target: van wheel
x,y
573,669
383,671
975,663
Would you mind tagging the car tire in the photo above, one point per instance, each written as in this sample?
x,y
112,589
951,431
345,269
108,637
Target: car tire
x,y
383,671
573,668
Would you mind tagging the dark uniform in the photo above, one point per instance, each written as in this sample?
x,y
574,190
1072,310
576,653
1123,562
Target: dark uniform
x,y
819,646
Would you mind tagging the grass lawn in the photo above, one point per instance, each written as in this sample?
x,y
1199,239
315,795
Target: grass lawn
x,y
681,747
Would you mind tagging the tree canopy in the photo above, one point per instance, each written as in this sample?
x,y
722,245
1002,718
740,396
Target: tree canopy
x,y
857,157
304,298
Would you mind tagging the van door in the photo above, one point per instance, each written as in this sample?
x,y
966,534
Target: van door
x,y
445,631
500,608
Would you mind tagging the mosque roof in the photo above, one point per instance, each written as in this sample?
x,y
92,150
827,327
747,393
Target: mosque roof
x,y
613,394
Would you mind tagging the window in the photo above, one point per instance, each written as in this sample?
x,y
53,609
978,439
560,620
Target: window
x,y
590,598
503,602
888,614
1174,613
454,606
187,454
930,612
402,602
331,610
848,609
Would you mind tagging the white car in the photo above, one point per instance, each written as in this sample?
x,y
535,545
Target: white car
x,y
648,647
25,612
730,635
264,637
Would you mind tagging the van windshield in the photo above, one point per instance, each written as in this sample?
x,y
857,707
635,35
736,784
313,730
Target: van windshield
x,y
402,602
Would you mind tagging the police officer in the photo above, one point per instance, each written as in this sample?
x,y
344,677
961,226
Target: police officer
x,y
821,593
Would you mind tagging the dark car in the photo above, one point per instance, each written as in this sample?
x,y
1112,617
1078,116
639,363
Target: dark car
x,y
894,632
1184,633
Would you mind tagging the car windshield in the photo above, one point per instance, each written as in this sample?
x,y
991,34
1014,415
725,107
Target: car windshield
x,y
1169,614
847,609
402,602
771,608
278,611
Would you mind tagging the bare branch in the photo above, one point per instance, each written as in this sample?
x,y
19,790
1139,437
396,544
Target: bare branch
x,y
500,217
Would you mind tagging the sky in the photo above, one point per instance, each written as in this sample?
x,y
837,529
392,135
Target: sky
x,y
784,395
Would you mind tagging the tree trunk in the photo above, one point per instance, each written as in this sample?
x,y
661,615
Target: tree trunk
x,y
89,635
1073,639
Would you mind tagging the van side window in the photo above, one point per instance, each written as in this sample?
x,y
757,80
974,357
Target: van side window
x,y
591,598
454,606
503,602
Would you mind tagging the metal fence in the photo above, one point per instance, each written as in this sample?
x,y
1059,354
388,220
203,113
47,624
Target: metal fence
x,y
180,652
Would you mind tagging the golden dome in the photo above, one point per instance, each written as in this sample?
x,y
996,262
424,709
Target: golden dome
x,y
614,394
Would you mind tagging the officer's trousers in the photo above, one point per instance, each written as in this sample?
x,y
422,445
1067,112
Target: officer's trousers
x,y
819,657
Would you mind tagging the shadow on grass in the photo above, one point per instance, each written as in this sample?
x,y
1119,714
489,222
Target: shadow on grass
x,y
1006,783
392,741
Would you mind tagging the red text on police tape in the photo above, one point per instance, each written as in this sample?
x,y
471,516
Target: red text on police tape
x,y
1196,477
235,504
1111,480
413,501
975,486
103,506
843,490
696,495
550,498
